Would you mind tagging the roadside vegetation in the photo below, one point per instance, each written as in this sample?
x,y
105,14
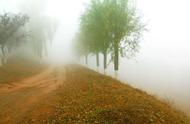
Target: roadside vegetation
x,y
111,28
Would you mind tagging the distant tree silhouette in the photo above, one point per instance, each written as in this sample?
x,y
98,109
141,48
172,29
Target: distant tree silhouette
x,y
11,34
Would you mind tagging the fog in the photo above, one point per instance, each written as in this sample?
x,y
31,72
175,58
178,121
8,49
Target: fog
x,y
162,67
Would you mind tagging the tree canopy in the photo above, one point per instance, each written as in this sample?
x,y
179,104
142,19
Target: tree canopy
x,y
11,33
110,27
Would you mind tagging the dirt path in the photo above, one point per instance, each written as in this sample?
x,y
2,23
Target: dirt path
x,y
20,98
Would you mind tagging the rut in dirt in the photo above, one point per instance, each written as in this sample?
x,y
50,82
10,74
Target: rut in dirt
x,y
19,98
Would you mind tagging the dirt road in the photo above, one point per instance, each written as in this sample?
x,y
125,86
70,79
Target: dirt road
x,y
21,101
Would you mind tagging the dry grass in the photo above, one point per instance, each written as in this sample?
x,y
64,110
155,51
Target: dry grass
x,y
89,97
18,68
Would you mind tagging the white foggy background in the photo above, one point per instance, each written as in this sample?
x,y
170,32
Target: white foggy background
x,y
162,67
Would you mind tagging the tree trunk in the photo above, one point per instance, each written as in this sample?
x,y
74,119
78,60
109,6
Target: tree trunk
x,y
97,59
86,59
3,55
2,61
116,56
105,60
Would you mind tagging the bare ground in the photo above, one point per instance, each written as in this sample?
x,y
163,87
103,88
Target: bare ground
x,y
28,99
74,94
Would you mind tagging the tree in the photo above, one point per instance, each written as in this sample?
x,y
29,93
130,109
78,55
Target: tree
x,y
10,32
124,26
78,46
42,28
101,25
94,27
111,27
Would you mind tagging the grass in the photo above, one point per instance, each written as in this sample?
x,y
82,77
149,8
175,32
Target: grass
x,y
18,68
89,97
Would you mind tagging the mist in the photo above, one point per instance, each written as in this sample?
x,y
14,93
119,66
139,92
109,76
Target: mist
x,y
162,66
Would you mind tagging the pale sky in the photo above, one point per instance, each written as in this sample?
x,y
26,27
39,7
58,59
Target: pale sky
x,y
168,24
68,13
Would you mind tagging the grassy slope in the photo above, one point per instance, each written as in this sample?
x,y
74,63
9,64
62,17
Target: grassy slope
x,y
89,97
18,68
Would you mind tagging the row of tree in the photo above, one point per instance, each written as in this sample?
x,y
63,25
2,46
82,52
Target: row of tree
x,y
109,27
25,29
11,32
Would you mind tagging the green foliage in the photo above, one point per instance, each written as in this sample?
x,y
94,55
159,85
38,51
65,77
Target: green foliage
x,y
110,27
10,25
16,29
11,33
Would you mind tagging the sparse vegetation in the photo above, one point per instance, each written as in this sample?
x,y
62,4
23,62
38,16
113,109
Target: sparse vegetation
x,y
19,68
82,96
89,97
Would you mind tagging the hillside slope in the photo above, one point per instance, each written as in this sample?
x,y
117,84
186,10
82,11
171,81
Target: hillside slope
x,y
89,97
73,94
